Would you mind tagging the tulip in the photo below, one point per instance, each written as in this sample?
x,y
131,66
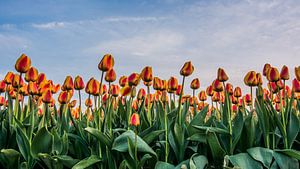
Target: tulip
x,y
187,69
110,76
123,81
179,90
284,74
229,88
135,120
164,85
115,90
297,73
237,92
172,84
125,91
63,97
202,96
2,86
273,87
234,99
141,94
296,85
17,81
259,79
9,78
75,113
134,79
248,99
47,96
41,78
78,83
216,97
2,101
23,64
31,75
88,102
106,63
250,79
234,108
195,84
68,83
157,83
210,91
267,66
217,86
164,97
222,76
135,105
93,87
146,74
273,75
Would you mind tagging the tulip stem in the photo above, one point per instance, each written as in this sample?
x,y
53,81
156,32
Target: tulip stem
x,y
135,147
16,114
148,106
166,135
100,95
79,95
251,98
179,102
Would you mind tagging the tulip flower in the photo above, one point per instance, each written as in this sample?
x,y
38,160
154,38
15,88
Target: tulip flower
x,y
47,96
229,88
78,83
88,103
297,73
296,85
68,83
202,96
17,81
41,78
115,90
110,76
267,66
250,79
248,99
172,84
179,90
237,92
31,75
195,84
123,81
23,64
234,99
135,120
133,79
187,69
106,63
125,91
210,91
164,85
9,78
284,74
141,94
2,101
146,74
273,75
222,76
157,83
2,86
259,79
217,86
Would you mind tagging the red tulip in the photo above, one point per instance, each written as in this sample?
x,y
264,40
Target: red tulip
x,y
9,78
2,86
237,92
210,91
195,84
47,96
222,76
68,83
146,74
141,94
217,86
106,63
115,90
284,74
172,84
63,97
125,91
179,90
78,83
23,64
123,81
202,96
267,66
296,85
32,88
41,78
273,75
229,88
250,79
110,75
297,73
157,83
187,69
135,120
134,79
31,75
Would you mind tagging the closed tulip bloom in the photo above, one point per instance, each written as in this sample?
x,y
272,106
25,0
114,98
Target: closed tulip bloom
x,y
280,84
125,91
234,108
110,75
115,90
2,101
103,89
195,84
210,91
141,94
273,87
157,83
2,86
297,73
33,88
164,97
9,78
216,97
134,79
273,75
17,81
23,64
88,102
187,69
123,81
217,86
267,66
24,90
179,90
92,87
237,92
284,74
172,84
234,99
63,97
146,74
106,63
78,83
277,107
222,76
68,83
164,85
202,96
250,78
41,78
47,96
248,99
229,88
55,88
135,119
31,75
296,85
259,79
135,105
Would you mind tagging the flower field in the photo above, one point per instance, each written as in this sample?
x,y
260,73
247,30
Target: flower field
x,y
123,124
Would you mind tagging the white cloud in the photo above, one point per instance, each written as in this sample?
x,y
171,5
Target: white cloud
x,y
49,25
134,19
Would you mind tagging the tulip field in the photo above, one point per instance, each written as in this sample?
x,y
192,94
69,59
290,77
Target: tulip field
x,y
143,121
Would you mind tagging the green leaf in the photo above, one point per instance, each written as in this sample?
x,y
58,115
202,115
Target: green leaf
x,y
284,161
121,144
198,162
143,160
261,154
66,160
198,120
217,151
103,138
212,129
244,161
238,125
9,158
149,138
87,162
200,137
42,142
23,144
292,153
164,165
292,128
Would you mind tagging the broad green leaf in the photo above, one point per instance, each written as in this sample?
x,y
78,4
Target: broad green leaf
x,y
9,158
103,138
292,128
23,143
152,136
200,137
290,152
261,154
217,151
42,142
198,162
66,160
212,129
237,129
284,161
164,165
87,162
198,120
244,161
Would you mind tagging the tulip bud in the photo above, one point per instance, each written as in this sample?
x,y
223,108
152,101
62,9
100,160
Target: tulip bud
x,y
47,96
179,90
92,87
135,105
31,75
134,79
88,102
217,86
141,94
216,97
63,97
250,79
222,76
267,66
32,88
187,69
123,81
273,75
229,88
110,75
202,96
146,74
78,83
9,78
234,99
273,87
278,107
248,99
234,108
106,63
68,83
157,83
296,85
24,90
17,81
125,91
297,73
172,84
115,90
195,84
164,85
41,78
135,120
2,101
2,86
23,64
284,74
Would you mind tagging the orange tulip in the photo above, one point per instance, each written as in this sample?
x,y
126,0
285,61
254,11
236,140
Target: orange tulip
x,y
172,84
47,96
2,86
32,88
110,75
164,97
216,97
217,86
68,83
202,96
273,75
259,79
179,90
284,74
222,76
210,91
195,84
9,78
23,64
31,75
78,83
273,87
237,92
92,87
296,85
103,89
106,63
123,81
250,79
135,119
267,66
141,94
135,105
229,88
297,73
88,102
134,79
146,74
157,83
24,90
63,97
41,78
248,99
17,82
2,101
187,69
115,90
125,91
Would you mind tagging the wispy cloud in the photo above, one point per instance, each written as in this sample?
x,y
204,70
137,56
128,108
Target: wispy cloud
x,y
49,25
134,19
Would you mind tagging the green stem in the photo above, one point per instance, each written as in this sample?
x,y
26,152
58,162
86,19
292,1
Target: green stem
x,y
166,135
179,102
80,113
100,95
148,106
135,148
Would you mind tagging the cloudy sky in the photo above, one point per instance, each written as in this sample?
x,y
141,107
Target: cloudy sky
x,y
70,37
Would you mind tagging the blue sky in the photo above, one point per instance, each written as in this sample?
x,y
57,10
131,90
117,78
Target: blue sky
x,y
70,37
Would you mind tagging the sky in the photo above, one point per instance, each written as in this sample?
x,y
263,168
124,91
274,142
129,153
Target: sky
x,y
70,37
